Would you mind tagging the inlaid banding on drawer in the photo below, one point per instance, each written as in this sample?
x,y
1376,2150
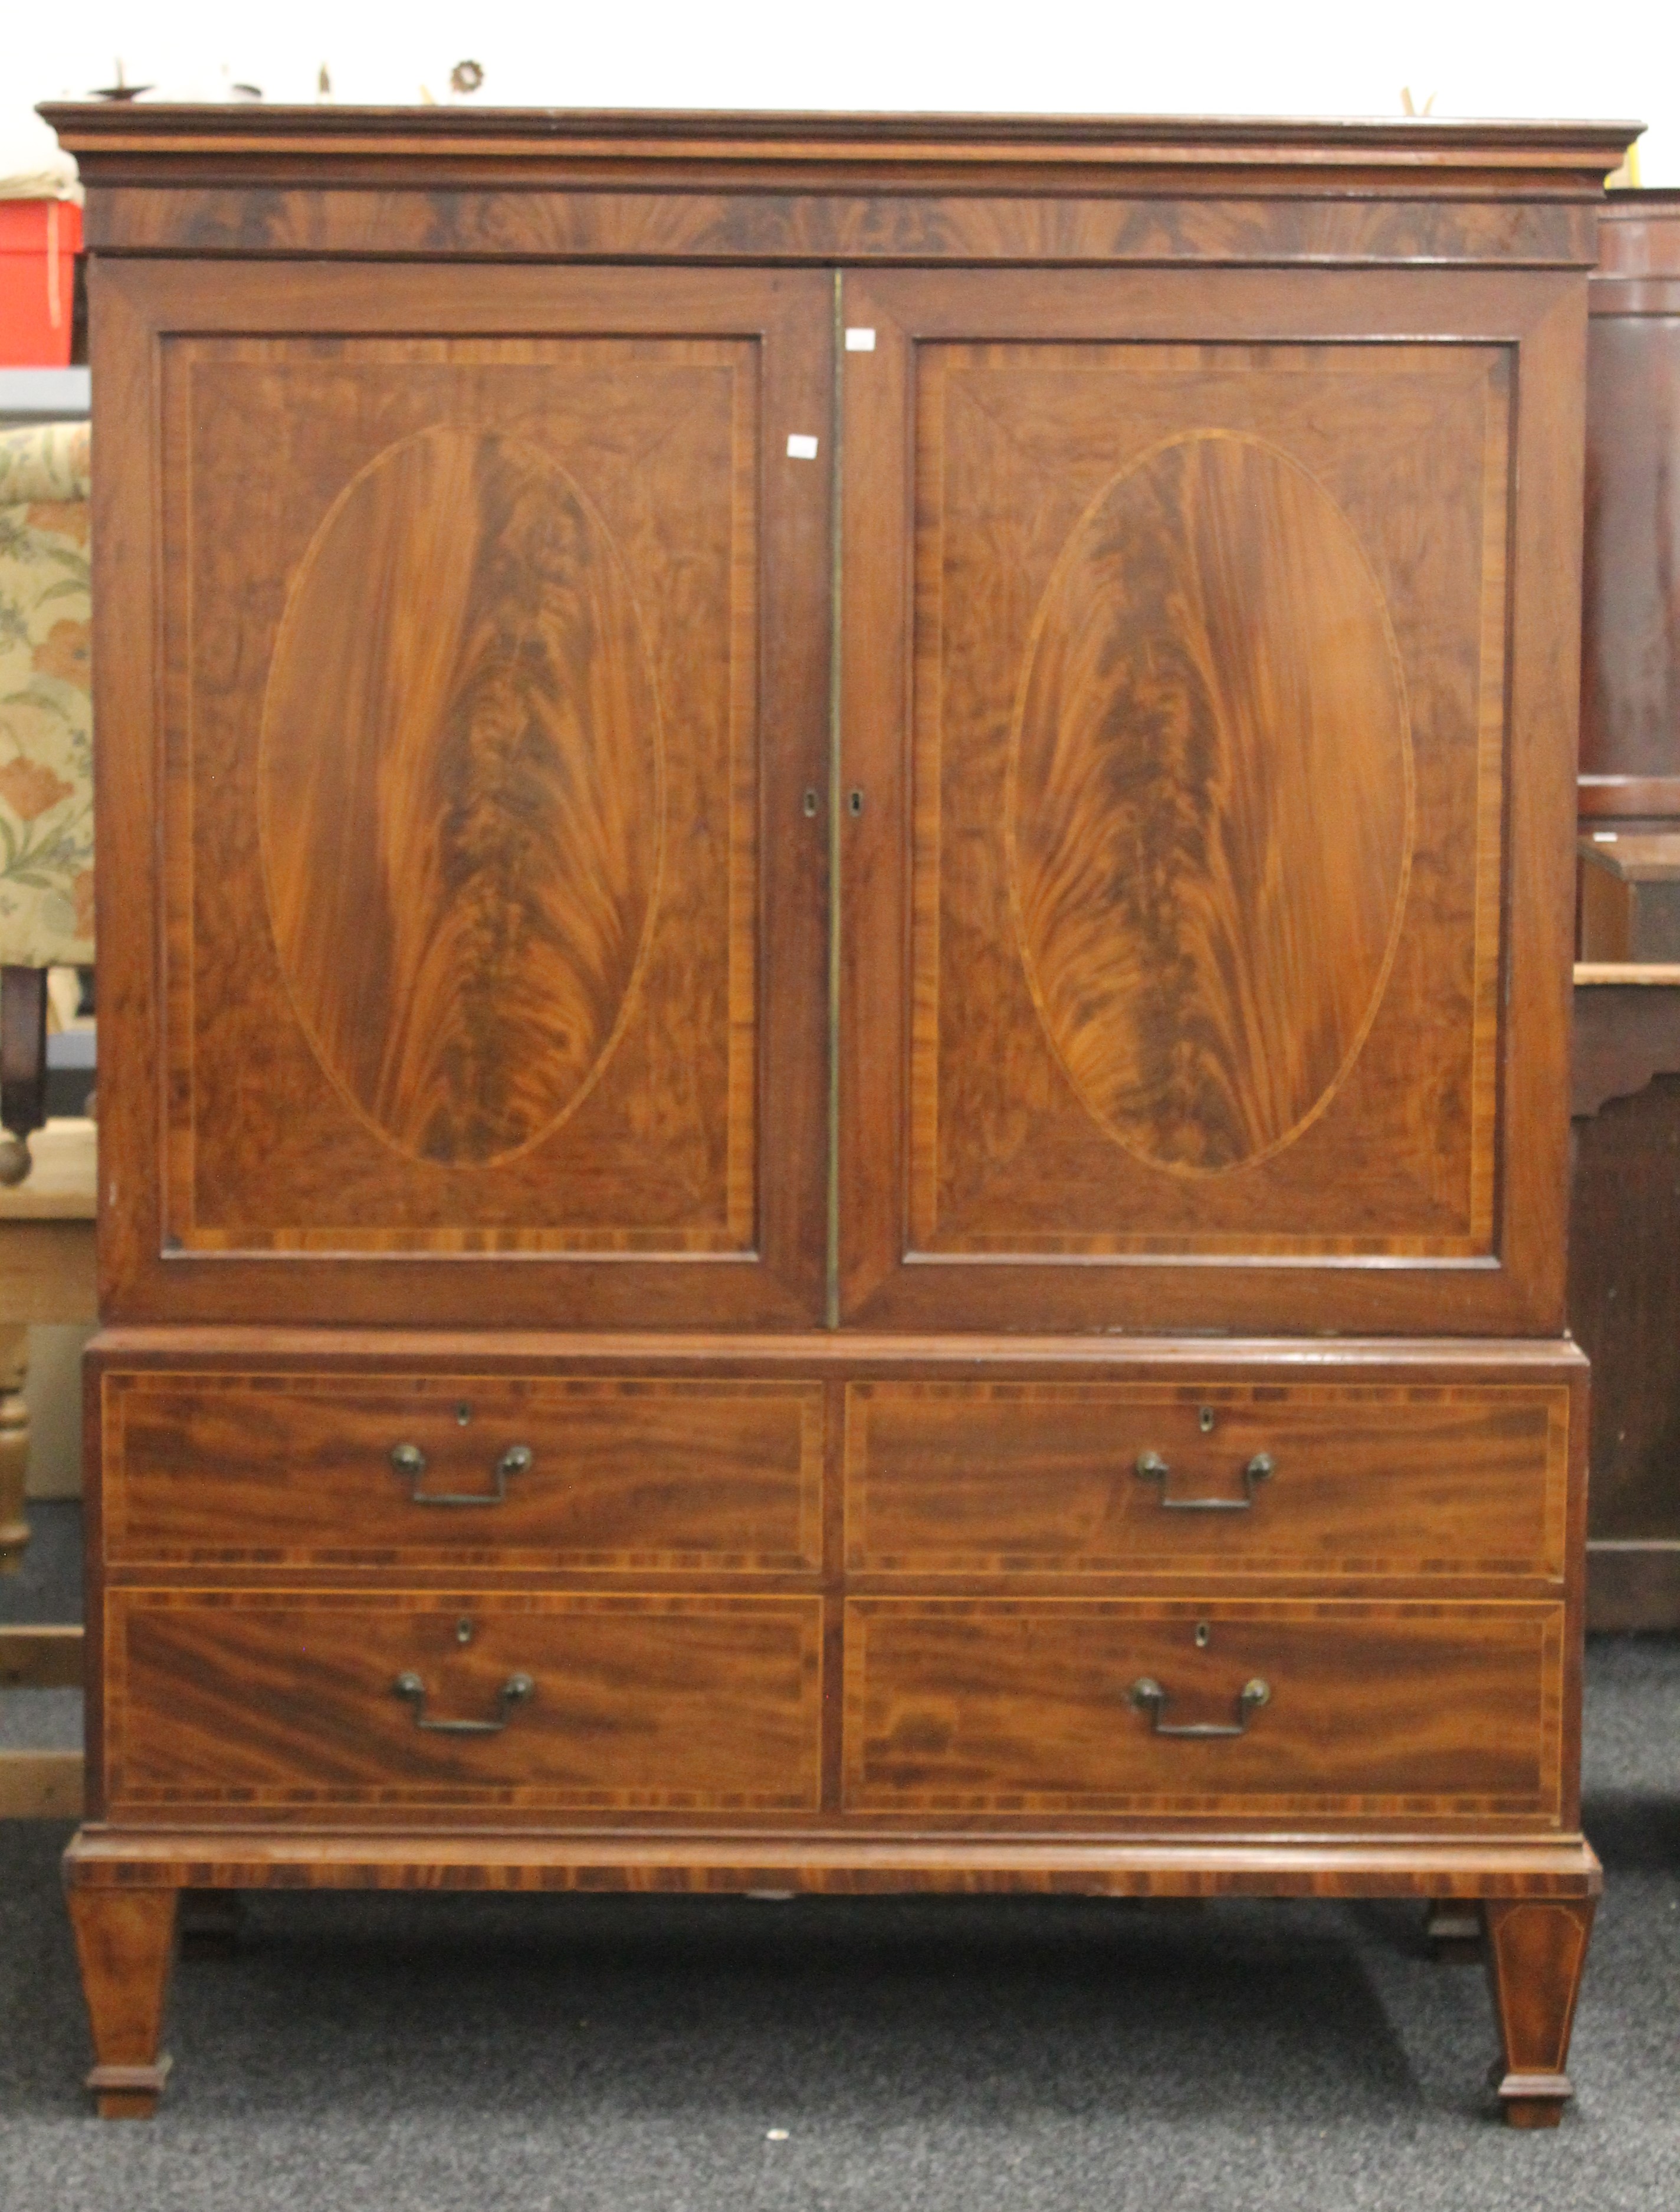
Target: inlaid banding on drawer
x,y
979,1478
1327,1709
586,1473
251,1699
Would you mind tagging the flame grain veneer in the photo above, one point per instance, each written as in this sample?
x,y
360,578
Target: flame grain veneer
x,y
841,1173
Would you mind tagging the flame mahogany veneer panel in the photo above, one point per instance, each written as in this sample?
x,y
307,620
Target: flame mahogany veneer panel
x,y
448,224
1208,798
486,626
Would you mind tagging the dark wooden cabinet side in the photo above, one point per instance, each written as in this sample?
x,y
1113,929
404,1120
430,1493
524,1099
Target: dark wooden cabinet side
x,y
1630,621
1624,1295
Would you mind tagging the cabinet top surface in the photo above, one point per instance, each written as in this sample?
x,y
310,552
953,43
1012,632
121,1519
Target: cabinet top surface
x,y
120,142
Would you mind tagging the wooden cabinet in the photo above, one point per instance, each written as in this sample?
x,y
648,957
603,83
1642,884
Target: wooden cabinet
x,y
835,1150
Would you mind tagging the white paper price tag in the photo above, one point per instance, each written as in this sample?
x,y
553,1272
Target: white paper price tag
x,y
801,448
860,341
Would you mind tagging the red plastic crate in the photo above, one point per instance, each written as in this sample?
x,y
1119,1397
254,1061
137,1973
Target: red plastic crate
x,y
38,243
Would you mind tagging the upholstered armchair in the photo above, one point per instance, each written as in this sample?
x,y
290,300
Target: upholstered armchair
x,y
46,799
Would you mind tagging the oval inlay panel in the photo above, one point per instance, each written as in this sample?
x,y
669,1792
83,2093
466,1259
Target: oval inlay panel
x,y
1210,805
460,795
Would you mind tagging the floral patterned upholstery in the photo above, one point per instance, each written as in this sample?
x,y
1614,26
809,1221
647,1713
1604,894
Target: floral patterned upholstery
x,y
46,795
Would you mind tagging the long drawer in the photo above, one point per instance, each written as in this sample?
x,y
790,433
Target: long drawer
x,y
244,1699
299,1470
1084,1477
1314,1709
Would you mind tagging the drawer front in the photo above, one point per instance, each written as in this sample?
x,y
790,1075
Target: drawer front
x,y
587,1473
246,1700
959,1478
1033,1706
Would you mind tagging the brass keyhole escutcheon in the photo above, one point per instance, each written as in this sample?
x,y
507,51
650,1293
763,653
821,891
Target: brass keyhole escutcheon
x,y
463,1413
464,1630
1203,1636
1205,1420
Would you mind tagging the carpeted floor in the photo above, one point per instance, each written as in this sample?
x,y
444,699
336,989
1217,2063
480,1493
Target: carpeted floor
x,y
635,2055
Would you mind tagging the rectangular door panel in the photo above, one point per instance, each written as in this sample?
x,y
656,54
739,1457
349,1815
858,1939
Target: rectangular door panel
x,y
493,673
1185,730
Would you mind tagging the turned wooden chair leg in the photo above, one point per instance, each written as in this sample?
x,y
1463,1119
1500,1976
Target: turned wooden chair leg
x,y
1536,1948
126,1940
23,1066
13,1447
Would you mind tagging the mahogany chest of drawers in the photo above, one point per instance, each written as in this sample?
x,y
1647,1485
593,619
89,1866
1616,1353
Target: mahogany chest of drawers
x,y
834,1146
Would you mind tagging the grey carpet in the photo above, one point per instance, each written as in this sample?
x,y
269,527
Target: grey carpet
x,y
632,2055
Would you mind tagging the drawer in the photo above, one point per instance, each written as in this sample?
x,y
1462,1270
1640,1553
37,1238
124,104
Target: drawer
x,y
463,1470
257,1699
963,1477
1033,1706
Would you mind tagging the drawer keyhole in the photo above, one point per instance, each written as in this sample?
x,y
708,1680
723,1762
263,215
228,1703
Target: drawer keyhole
x,y
1205,1420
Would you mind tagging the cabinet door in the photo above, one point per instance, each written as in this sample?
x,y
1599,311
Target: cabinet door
x,y
1209,713
463,665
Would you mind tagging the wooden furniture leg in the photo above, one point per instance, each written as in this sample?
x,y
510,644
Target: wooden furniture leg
x,y
1535,1951
13,1447
1453,1929
126,1940
40,1785
23,1065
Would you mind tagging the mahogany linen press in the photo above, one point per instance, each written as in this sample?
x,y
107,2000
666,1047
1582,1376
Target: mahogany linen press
x,y
835,872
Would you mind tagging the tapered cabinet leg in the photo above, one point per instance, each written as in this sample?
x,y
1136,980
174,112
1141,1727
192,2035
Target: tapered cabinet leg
x,y
1536,1948
126,1940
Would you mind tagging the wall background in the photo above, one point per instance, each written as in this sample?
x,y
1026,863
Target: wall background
x,y
1490,58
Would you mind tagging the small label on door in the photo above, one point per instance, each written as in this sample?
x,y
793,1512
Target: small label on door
x,y
860,341
801,448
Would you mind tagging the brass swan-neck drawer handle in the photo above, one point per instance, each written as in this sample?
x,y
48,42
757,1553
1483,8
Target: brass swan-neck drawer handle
x,y
1147,1694
409,1462
513,1692
1152,1468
